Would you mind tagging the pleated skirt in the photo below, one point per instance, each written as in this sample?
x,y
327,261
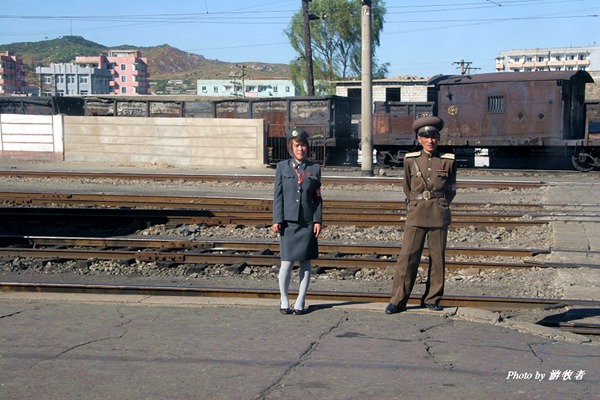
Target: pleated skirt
x,y
298,242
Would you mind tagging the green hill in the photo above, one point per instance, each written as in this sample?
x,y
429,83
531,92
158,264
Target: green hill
x,y
164,62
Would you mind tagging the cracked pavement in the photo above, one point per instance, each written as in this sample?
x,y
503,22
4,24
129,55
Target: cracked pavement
x,y
179,348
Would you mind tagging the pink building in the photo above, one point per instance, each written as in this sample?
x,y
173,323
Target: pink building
x,y
129,70
12,75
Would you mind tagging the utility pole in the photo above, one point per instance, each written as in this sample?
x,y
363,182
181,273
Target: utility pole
x,y
366,109
462,64
465,67
241,76
310,79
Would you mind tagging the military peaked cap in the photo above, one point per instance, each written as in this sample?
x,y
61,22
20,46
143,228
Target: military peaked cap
x,y
428,125
297,133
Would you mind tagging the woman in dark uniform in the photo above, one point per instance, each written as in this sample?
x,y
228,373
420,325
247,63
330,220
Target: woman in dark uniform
x,y
297,213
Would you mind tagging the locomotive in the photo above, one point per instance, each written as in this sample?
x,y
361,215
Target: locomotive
x,y
516,119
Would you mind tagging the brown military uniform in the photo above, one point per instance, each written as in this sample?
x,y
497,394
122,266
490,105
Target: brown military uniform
x,y
430,186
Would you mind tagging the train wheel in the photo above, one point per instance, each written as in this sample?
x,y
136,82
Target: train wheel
x,y
383,159
583,162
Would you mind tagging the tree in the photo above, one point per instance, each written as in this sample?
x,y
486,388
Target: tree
x,y
336,42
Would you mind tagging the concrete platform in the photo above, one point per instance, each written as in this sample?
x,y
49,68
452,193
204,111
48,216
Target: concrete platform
x,y
134,347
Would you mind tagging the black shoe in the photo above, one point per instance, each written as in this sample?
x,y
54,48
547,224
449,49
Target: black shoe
x,y
299,312
394,309
434,307
285,311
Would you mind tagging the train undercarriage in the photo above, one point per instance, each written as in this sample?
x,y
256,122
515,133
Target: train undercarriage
x,y
586,159
583,159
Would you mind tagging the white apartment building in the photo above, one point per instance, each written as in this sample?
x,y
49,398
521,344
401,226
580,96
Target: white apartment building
x,y
549,59
246,88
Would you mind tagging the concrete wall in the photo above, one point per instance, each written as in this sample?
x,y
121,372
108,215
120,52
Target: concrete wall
x,y
36,137
186,142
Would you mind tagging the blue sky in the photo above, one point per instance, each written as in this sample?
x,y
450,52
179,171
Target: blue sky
x,y
420,37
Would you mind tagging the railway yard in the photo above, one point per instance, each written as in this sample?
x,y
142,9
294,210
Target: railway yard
x,y
214,230
524,245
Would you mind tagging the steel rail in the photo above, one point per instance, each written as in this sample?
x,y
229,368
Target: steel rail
x,y
231,257
246,217
249,245
486,302
197,202
258,204
339,180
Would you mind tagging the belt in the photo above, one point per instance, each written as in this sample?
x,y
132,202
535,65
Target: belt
x,y
426,195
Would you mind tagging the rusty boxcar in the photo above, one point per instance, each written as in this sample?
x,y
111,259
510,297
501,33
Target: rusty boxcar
x,y
42,105
392,129
326,119
531,118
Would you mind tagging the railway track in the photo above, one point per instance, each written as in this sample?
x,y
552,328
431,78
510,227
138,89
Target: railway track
x,y
199,254
266,178
22,198
334,208
83,209
22,218
482,302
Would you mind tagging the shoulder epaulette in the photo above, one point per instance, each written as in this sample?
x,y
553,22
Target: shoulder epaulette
x,y
413,154
449,156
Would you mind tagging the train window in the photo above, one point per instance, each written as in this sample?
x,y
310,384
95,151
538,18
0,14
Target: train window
x,y
495,104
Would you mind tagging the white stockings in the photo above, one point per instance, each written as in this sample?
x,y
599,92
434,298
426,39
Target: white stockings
x,y
285,276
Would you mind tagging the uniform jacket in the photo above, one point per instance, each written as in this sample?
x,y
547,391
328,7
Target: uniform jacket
x,y
439,171
290,203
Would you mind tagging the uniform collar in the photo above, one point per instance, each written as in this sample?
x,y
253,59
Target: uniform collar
x,y
299,165
435,153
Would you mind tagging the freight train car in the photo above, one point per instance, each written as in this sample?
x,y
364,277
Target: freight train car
x,y
41,105
326,119
528,119
147,106
393,136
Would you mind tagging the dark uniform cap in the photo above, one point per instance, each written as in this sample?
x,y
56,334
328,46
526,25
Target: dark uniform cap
x,y
428,125
297,133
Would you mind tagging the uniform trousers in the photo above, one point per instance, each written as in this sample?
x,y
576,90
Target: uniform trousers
x,y
408,264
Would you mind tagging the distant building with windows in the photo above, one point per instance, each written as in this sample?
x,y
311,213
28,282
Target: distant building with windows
x,y
66,79
246,88
550,59
120,72
130,72
12,74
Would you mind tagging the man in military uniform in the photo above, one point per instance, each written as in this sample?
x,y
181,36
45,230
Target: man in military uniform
x,y
430,186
